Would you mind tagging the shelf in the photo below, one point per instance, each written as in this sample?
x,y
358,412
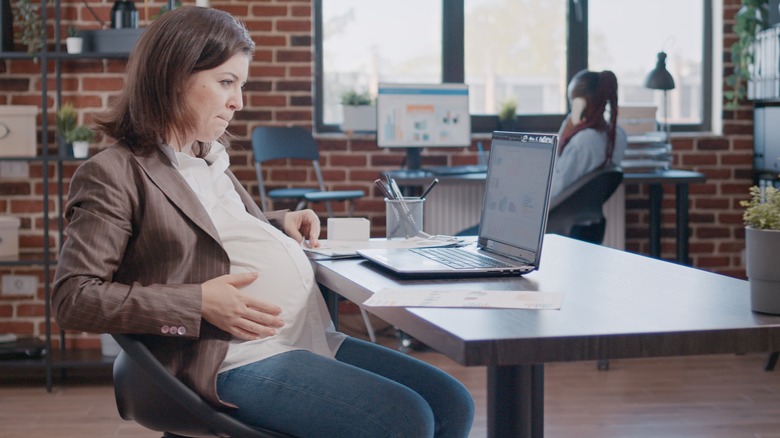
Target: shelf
x,y
30,158
80,359
18,55
69,359
88,55
25,260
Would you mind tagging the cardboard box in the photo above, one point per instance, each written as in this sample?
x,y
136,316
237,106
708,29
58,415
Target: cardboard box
x,y
18,130
9,237
637,119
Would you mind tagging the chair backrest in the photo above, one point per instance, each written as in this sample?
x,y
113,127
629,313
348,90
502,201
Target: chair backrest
x,y
578,210
281,142
276,142
149,394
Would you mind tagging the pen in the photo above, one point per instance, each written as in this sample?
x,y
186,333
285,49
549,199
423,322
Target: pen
x,y
428,189
383,188
397,190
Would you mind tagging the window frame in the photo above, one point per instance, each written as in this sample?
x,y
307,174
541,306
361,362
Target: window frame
x,y
453,65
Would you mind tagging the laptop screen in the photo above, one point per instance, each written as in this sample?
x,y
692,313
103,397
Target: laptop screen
x,y
517,194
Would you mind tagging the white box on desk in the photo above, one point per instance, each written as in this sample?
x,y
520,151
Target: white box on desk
x,y
9,237
18,130
349,228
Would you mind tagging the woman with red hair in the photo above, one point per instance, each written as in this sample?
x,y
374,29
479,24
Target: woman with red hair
x,y
589,137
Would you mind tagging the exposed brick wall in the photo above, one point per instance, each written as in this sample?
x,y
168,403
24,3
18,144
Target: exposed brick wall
x,y
280,92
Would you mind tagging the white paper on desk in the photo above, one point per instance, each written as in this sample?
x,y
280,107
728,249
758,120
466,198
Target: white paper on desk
x,y
346,248
500,299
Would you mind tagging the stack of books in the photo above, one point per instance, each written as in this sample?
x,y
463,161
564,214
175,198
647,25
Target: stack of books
x,y
648,149
649,152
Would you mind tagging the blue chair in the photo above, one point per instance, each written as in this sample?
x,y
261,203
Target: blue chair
x,y
275,143
147,393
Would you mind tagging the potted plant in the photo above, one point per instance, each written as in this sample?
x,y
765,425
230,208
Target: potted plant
x,y
749,20
72,133
762,248
29,21
80,138
359,113
507,115
74,42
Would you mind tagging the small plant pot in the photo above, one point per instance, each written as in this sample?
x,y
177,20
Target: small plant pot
x,y
359,118
74,44
762,253
80,149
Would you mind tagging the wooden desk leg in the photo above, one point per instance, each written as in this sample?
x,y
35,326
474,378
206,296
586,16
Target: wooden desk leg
x,y
682,224
516,401
656,194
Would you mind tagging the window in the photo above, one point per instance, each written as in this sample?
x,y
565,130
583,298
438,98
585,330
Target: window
x,y
516,50
367,42
680,35
524,50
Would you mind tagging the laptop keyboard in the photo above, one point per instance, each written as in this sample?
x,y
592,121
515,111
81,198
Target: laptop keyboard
x,y
458,258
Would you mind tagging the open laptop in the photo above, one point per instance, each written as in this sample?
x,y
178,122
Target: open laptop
x,y
513,221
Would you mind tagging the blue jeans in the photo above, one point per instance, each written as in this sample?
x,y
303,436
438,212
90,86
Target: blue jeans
x,y
368,391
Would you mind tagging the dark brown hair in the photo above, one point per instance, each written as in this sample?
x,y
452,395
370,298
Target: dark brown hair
x,y
599,90
175,46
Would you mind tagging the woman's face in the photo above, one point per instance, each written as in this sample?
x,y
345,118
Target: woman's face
x,y
214,96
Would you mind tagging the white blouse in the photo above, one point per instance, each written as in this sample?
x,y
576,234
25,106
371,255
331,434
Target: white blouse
x,y
286,277
585,152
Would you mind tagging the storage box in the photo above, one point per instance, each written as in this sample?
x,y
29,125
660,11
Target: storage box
x,y
111,40
9,237
637,119
18,130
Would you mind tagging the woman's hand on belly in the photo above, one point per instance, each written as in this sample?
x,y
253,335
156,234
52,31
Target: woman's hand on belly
x,y
236,312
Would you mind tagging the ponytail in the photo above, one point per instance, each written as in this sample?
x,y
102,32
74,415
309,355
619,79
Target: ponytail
x,y
599,89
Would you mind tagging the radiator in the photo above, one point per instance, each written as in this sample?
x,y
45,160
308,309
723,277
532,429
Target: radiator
x,y
615,212
453,207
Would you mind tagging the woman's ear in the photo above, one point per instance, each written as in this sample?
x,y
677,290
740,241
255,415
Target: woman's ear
x,y
578,105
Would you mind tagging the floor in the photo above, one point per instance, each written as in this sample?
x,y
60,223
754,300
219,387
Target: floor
x,y
705,396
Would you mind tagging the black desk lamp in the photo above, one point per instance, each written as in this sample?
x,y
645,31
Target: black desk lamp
x,y
661,79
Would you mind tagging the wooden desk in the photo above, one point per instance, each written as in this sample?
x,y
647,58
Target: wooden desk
x,y
623,306
655,180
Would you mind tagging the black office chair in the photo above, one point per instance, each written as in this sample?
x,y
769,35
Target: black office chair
x,y
149,394
577,211
276,142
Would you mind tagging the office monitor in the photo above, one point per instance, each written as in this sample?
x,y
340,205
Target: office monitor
x,y
415,116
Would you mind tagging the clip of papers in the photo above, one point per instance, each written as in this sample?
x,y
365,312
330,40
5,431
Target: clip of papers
x,y
496,299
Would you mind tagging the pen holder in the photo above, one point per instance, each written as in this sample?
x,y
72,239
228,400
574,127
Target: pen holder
x,y
404,217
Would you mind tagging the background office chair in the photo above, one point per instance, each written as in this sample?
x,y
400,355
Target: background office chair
x,y
149,394
577,212
276,142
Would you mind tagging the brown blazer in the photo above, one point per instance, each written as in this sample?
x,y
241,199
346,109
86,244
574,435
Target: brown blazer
x,y
139,244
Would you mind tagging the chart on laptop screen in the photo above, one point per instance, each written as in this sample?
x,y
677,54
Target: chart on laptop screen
x,y
517,191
